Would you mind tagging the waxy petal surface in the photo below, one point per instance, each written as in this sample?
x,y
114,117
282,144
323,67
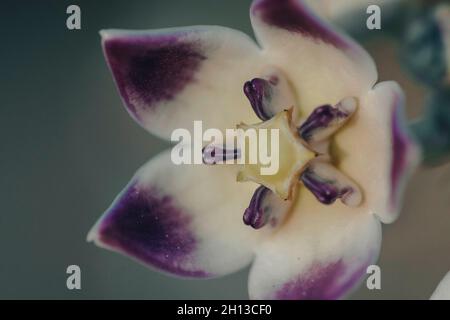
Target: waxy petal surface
x,y
185,220
321,252
324,66
376,150
169,78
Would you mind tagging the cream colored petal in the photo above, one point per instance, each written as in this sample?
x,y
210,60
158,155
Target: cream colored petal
x,y
321,252
323,65
376,150
185,220
169,78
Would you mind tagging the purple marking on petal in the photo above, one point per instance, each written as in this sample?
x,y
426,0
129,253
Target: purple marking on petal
x,y
146,225
149,69
321,282
325,191
295,16
259,93
401,146
320,118
257,215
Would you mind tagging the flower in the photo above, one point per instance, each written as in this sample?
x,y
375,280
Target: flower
x,y
442,291
318,87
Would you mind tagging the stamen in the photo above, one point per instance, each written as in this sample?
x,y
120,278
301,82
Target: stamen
x,y
259,93
214,154
269,94
265,207
328,184
326,120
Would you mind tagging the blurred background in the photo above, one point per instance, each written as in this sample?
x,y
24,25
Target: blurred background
x,y
68,147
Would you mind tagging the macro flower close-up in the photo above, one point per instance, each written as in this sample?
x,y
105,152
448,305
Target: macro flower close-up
x,y
310,230
225,158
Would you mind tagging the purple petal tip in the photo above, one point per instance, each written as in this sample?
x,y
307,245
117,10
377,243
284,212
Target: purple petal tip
x,y
146,225
150,68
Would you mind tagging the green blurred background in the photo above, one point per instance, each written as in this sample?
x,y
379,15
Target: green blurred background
x,y
68,147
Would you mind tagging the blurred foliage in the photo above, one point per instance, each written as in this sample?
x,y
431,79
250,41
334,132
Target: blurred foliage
x,y
414,25
433,129
423,52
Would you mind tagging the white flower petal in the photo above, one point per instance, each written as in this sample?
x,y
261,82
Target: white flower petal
x,y
322,64
442,291
321,252
375,149
185,220
169,78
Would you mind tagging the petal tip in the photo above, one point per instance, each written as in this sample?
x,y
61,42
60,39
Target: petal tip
x,y
92,235
150,67
147,226
105,34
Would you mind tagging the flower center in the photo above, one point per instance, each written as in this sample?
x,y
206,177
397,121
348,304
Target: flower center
x,y
292,155
303,151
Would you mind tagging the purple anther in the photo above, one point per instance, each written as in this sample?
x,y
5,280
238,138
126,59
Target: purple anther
x,y
258,213
266,208
259,93
326,120
215,154
321,117
326,191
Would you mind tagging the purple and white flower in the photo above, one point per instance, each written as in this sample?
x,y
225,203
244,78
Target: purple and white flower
x,y
442,291
344,138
